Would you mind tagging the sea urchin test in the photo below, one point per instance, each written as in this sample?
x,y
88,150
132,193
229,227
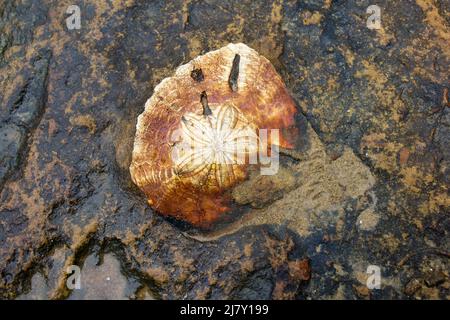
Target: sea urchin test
x,y
204,127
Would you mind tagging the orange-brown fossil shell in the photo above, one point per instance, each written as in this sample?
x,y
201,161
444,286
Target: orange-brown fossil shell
x,y
224,96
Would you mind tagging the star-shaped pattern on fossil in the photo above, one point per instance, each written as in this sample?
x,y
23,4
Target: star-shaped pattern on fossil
x,y
215,144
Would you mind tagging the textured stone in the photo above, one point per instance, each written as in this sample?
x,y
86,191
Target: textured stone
x,y
374,135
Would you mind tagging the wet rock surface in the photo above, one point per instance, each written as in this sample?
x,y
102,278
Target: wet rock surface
x,y
370,187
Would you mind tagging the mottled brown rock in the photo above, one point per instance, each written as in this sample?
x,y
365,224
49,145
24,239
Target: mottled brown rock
x,y
365,95
412,287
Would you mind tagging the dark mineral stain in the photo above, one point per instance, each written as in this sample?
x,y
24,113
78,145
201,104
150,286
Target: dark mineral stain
x,y
197,75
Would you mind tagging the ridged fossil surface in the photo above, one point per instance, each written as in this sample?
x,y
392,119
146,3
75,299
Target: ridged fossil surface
x,y
217,103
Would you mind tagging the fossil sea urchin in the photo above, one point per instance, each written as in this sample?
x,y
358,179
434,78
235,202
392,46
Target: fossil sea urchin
x,y
218,101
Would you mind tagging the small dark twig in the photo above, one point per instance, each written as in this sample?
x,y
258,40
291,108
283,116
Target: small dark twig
x,y
234,73
204,101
